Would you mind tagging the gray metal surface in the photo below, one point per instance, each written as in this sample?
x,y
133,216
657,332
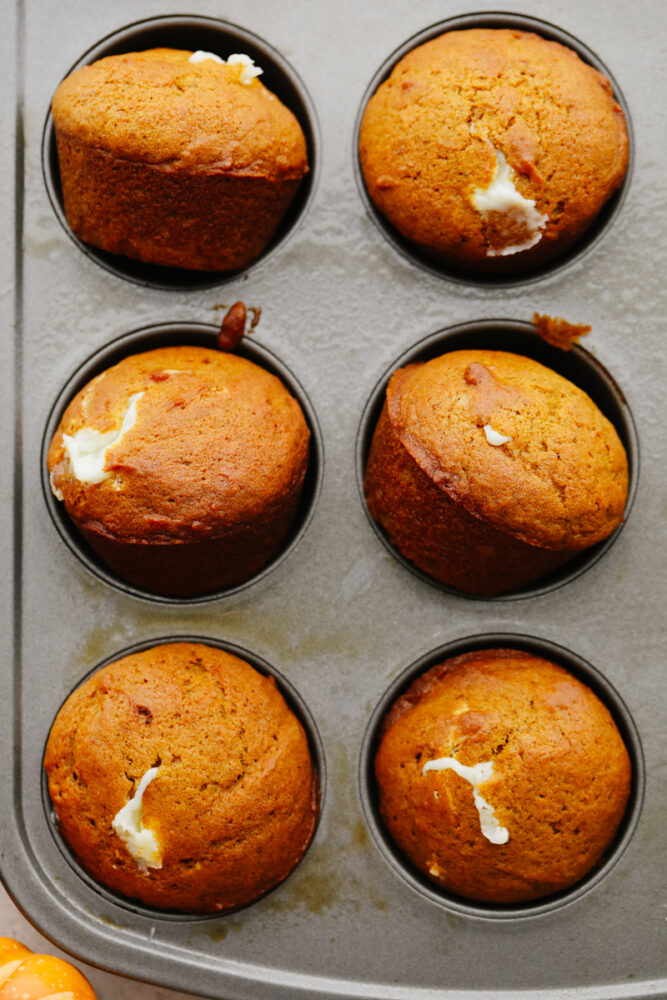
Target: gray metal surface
x,y
339,617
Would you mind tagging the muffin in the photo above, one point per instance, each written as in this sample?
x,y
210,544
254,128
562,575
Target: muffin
x,y
182,468
501,777
488,470
180,777
492,149
176,158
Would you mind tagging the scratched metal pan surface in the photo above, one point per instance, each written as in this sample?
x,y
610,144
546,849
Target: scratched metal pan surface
x,y
338,617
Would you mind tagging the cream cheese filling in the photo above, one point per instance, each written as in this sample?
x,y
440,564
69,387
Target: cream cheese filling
x,y
476,775
248,72
139,840
87,449
502,196
494,437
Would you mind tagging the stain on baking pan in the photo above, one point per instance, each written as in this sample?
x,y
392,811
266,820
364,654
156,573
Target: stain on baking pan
x,y
514,227
289,511
296,705
208,36
579,367
467,649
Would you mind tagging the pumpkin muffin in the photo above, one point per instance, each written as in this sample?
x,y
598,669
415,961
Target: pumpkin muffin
x,y
176,158
182,467
501,777
180,777
488,470
493,149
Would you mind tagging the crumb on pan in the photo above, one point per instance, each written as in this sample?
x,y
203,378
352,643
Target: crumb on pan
x,y
558,332
232,328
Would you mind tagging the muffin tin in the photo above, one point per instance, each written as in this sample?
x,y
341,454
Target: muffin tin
x,y
337,616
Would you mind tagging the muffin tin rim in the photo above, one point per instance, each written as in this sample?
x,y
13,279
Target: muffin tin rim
x,y
580,668
585,560
98,361
588,240
295,702
199,280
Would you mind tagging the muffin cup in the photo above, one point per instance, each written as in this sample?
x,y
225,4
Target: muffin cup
x,y
146,339
296,704
534,273
577,365
580,669
211,35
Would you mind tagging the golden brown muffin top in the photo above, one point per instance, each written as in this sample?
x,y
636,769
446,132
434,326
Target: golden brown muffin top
x,y
561,480
156,107
234,802
430,133
559,783
215,439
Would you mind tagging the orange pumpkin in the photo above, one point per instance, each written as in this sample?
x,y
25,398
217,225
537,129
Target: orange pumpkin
x,y
11,949
25,976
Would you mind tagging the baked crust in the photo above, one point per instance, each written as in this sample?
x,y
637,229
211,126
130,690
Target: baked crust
x,y
175,163
560,784
487,518
236,799
429,135
201,491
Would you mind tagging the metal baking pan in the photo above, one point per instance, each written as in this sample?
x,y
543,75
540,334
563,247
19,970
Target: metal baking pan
x,y
338,616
